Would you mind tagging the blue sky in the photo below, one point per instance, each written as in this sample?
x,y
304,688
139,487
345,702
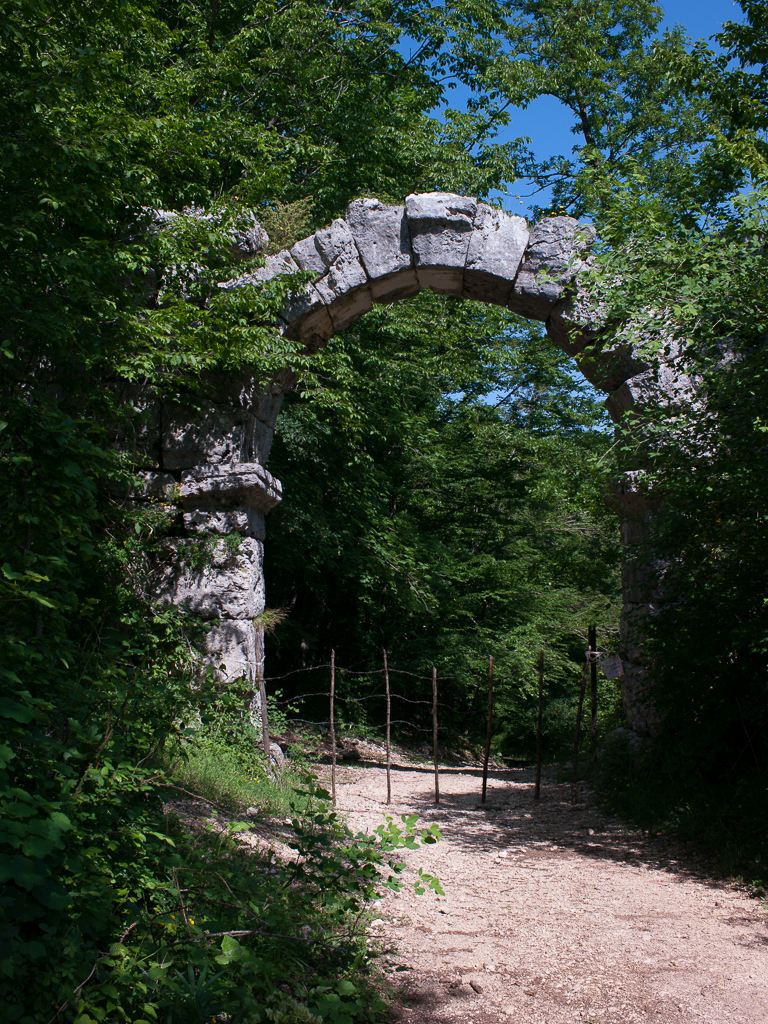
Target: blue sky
x,y
548,124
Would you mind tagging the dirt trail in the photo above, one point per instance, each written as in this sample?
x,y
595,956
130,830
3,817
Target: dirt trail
x,y
555,913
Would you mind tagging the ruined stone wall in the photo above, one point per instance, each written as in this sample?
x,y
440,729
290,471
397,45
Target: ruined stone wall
x,y
451,244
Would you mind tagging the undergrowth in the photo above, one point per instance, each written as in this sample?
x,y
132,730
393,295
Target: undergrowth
x,y
725,816
115,907
223,761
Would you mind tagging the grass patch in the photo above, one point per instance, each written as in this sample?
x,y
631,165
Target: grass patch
x,y
237,777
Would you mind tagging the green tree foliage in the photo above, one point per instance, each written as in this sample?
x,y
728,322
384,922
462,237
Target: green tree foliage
x,y
705,458
110,112
607,64
442,500
704,285
733,79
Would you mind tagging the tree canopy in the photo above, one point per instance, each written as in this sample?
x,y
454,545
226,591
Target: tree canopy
x,y
443,500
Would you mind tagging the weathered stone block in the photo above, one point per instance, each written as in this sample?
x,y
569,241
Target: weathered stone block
x,y
222,521
346,290
443,280
230,585
626,397
233,647
307,256
550,262
336,242
381,235
342,282
220,425
663,385
343,276
573,325
345,280
213,434
239,484
494,255
441,227
307,315
608,368
239,389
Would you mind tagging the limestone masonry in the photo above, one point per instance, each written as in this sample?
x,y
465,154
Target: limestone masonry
x,y
215,458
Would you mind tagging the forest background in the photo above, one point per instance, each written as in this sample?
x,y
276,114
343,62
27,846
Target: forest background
x,y
444,467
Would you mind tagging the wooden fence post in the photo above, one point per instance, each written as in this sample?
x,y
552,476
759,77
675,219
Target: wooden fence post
x,y
537,787
389,719
333,729
488,731
593,677
578,730
434,734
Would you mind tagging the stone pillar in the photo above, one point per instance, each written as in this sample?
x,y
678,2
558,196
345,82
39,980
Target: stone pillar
x,y
209,457
640,598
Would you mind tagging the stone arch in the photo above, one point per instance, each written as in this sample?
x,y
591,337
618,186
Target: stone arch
x,y
453,245
378,253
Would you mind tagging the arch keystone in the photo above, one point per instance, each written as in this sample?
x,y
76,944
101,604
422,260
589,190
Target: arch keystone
x,y
441,226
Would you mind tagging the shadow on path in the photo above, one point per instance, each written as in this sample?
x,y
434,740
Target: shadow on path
x,y
512,822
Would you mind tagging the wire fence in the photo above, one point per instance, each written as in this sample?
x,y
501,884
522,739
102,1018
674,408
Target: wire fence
x,y
382,675
387,695
354,673
593,656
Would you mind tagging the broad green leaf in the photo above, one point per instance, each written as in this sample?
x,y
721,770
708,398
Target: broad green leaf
x,y
12,709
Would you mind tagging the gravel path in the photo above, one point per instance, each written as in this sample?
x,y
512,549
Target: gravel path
x,y
555,913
